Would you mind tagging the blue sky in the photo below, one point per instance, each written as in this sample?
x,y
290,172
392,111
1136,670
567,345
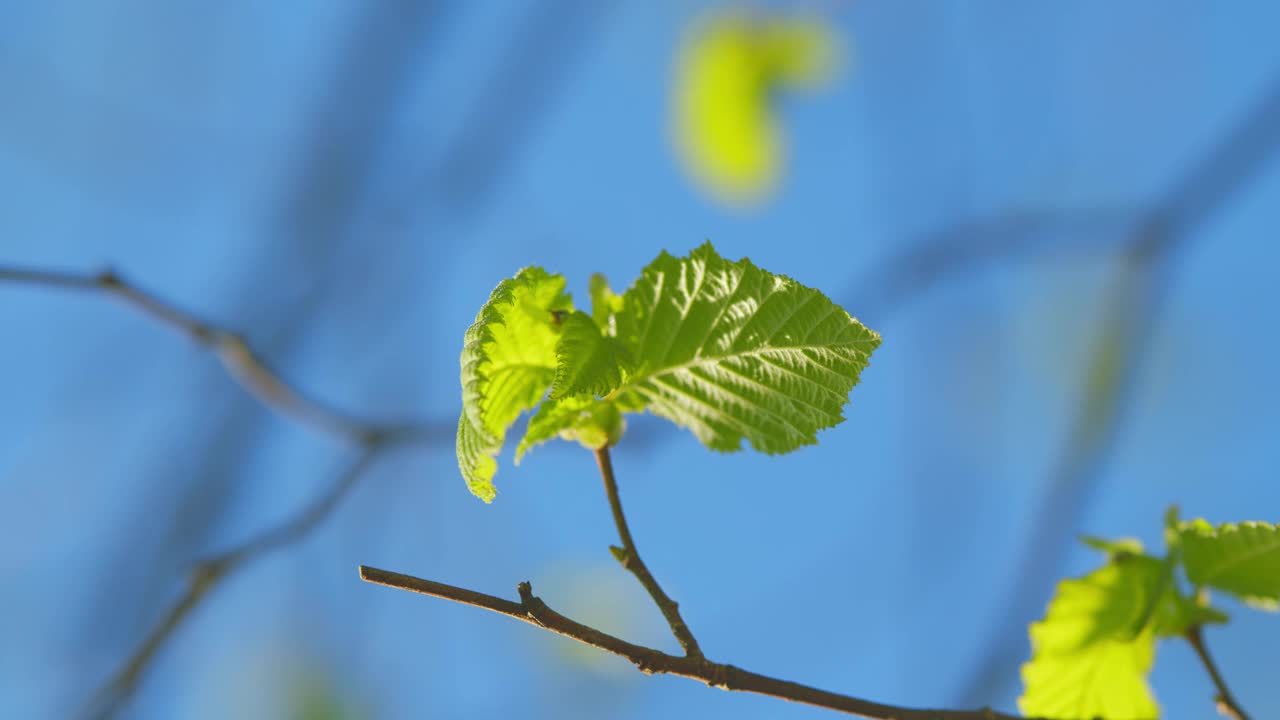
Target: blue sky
x,y
345,182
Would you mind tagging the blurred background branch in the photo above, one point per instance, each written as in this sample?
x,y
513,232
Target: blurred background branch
x,y
207,574
1125,328
240,360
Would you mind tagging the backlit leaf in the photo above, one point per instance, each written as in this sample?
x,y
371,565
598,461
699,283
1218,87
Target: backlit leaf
x,y
1113,548
727,78
604,304
508,363
1242,559
735,353
1086,661
1178,613
592,423
726,349
587,362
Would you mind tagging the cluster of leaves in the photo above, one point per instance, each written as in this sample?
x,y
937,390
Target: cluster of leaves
x,y
725,349
732,353
1092,652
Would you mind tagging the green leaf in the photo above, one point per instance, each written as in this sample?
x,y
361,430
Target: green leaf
x,y
733,352
1242,559
1086,662
1113,548
1179,612
508,362
1127,550
587,362
591,422
605,304
723,348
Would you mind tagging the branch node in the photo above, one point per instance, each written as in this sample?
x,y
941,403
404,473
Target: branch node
x,y
621,555
373,437
229,346
722,675
645,664
108,278
207,572
531,604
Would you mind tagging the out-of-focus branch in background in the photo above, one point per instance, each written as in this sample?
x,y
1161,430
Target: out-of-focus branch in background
x,y
1128,322
963,248
374,73
241,361
208,574
531,69
245,366
387,46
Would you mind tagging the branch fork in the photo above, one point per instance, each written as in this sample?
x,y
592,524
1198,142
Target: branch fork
x,y
692,664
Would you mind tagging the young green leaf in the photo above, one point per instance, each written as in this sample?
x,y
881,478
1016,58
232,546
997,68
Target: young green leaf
x,y
1171,611
591,422
723,348
508,362
1156,597
587,362
1086,661
733,352
1113,548
604,304
1242,559
1178,613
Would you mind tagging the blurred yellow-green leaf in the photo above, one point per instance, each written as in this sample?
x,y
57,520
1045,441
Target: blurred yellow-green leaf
x,y
1086,659
728,75
315,696
603,596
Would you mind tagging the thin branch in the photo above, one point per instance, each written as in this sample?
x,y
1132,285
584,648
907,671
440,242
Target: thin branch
x,y
1227,704
248,369
963,248
629,557
209,573
239,359
534,611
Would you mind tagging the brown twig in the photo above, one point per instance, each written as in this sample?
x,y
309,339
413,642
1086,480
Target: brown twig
x,y
534,611
235,354
209,573
629,557
1227,704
